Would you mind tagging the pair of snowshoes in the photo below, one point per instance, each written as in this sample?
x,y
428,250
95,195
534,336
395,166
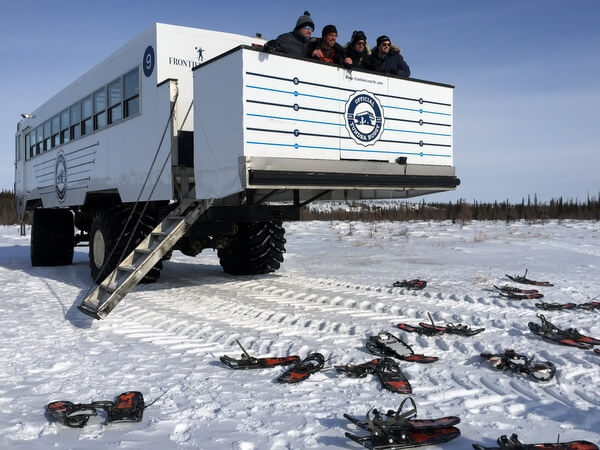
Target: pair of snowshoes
x,y
414,285
128,407
510,360
516,293
386,369
386,344
524,280
398,430
569,336
506,443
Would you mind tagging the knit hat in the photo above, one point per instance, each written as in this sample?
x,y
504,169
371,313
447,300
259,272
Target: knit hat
x,y
304,20
358,36
328,29
382,39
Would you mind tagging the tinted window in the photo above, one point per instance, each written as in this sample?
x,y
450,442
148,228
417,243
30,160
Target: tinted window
x,y
114,93
75,113
131,84
86,107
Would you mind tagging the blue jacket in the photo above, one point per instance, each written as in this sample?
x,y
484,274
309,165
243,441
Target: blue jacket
x,y
292,43
392,63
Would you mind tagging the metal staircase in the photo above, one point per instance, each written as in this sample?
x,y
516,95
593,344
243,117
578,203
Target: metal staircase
x,y
100,302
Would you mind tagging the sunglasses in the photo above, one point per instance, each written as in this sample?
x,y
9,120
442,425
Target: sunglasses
x,y
360,43
386,44
308,27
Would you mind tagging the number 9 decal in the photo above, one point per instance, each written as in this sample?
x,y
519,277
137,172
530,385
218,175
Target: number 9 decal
x,y
148,62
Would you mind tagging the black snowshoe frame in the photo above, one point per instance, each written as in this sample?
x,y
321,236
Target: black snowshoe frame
x,y
398,429
431,329
303,369
386,344
515,362
524,280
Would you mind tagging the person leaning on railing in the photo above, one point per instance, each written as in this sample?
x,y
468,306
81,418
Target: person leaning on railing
x,y
386,58
294,43
327,49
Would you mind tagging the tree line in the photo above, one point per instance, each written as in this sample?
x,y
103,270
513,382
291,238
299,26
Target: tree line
x,y
461,210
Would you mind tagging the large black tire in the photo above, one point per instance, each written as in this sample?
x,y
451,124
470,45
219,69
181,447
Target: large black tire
x,y
107,250
52,237
258,247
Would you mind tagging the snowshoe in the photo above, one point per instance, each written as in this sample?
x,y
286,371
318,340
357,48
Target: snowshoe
x,y
415,284
386,344
129,407
422,331
555,306
391,377
516,290
450,328
358,370
397,430
397,420
258,363
304,369
512,442
524,280
71,414
250,362
514,296
570,336
510,360
589,305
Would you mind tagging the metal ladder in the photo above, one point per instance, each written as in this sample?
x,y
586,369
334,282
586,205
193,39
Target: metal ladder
x,y
100,302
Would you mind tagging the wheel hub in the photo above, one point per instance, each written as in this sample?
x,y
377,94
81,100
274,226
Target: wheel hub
x,y
99,249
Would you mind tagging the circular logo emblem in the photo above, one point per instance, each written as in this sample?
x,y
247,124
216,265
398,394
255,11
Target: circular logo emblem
x,y
60,177
364,118
148,62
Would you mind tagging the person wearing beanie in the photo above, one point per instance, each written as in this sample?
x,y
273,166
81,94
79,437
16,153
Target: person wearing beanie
x,y
327,49
294,43
386,58
357,49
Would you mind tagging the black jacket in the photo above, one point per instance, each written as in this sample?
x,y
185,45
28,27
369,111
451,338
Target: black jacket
x,y
338,55
359,59
292,43
392,63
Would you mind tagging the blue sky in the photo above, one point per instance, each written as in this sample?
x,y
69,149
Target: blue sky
x,y
527,73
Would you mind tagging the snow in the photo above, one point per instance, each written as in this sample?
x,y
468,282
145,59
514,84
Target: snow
x,y
331,293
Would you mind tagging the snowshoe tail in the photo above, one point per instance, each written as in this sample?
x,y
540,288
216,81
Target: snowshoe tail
x,y
129,407
358,370
514,296
410,439
258,363
302,370
420,359
391,377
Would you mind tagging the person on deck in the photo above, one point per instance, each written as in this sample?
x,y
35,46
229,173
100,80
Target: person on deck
x,y
294,43
386,58
327,49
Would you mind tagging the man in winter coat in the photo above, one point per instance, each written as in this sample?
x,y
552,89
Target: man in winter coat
x,y
386,58
294,43
357,49
327,49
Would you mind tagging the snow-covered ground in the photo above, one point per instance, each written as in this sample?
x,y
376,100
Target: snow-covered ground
x,y
331,293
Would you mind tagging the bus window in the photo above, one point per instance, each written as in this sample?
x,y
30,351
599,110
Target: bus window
x,y
114,101
47,135
86,115
39,134
75,118
64,127
55,131
27,145
100,109
131,91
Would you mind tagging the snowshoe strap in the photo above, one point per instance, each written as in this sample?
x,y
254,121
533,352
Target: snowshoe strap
x,y
399,416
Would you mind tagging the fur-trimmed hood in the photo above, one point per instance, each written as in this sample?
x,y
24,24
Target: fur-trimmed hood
x,y
350,48
393,49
